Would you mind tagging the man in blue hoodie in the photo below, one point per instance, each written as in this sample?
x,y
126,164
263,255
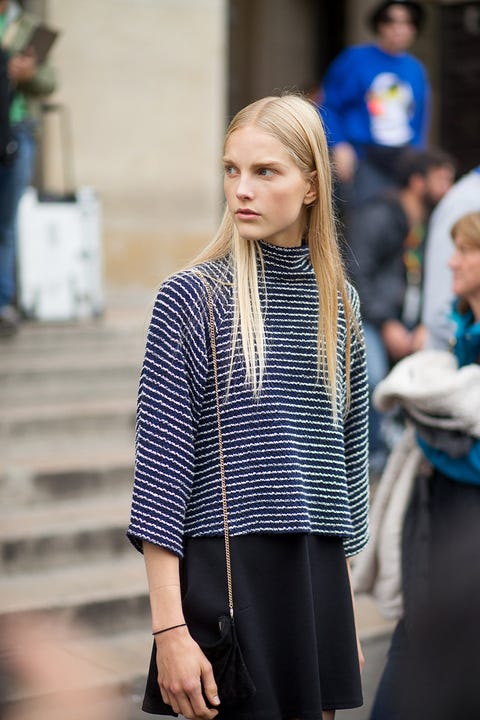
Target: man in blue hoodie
x,y
374,101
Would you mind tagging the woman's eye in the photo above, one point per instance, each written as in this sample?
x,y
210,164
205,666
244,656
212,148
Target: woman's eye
x,y
230,170
265,172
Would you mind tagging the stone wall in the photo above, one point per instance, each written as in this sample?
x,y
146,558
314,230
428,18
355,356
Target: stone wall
x,y
144,81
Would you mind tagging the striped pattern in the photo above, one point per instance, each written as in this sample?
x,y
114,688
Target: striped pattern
x,y
288,467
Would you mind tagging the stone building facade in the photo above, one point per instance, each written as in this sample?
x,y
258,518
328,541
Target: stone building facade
x,y
151,84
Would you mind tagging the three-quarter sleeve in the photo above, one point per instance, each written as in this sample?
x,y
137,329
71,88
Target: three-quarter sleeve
x,y
169,400
356,440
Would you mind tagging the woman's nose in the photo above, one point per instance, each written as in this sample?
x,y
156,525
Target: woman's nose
x,y
453,260
244,188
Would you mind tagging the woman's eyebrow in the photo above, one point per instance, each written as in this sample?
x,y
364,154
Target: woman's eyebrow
x,y
257,164
269,163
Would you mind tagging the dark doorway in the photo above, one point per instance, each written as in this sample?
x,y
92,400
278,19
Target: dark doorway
x,y
38,7
278,45
459,80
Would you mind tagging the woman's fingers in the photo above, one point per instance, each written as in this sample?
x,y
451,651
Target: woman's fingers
x,y
192,705
181,704
200,709
361,658
183,670
209,685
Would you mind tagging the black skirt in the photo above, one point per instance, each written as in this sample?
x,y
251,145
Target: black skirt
x,y
439,668
294,619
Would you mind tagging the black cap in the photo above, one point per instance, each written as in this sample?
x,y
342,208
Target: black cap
x,y
417,13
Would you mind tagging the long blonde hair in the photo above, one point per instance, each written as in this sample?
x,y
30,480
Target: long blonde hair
x,y
294,121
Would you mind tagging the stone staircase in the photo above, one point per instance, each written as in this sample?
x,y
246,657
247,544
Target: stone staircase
x,y
67,411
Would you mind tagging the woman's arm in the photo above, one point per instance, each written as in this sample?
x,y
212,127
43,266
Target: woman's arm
x,y
356,439
183,669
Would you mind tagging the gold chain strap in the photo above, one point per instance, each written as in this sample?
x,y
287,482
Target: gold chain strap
x,y
220,445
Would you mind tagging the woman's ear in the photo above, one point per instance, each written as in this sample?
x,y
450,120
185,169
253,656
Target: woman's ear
x,y
311,194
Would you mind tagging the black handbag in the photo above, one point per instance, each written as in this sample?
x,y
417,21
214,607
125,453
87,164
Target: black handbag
x,y
229,669
231,674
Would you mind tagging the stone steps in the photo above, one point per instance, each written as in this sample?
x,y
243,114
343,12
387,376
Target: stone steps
x,y
106,597
51,422
89,469
48,362
70,388
71,341
44,537
67,367
67,411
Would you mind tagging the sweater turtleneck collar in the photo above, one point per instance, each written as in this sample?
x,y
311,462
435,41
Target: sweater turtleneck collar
x,y
286,261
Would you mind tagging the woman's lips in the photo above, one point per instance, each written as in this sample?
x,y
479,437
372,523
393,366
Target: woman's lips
x,y
246,214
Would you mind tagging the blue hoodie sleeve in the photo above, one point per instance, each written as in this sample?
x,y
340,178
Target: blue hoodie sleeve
x,y
465,469
421,115
339,90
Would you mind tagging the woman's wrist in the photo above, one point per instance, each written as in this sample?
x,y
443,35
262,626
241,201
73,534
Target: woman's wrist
x,y
167,629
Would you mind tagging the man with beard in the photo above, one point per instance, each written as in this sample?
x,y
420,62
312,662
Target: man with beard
x,y
385,241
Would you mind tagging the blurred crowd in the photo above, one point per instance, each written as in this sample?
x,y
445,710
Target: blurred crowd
x,y
411,234
396,197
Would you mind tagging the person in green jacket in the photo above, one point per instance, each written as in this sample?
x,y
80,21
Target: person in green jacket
x,y
30,83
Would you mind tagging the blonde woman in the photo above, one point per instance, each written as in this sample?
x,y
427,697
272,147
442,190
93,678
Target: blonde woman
x,y
293,414
439,633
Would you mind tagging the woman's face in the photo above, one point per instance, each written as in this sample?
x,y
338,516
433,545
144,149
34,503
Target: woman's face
x,y
397,32
266,192
465,266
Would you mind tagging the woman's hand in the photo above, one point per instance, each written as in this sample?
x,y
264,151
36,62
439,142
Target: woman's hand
x,y
185,676
183,672
361,658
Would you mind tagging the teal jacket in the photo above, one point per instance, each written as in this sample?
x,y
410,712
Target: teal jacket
x,y
467,351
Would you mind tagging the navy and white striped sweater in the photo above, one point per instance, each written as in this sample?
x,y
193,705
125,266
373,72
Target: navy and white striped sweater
x,y
289,468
